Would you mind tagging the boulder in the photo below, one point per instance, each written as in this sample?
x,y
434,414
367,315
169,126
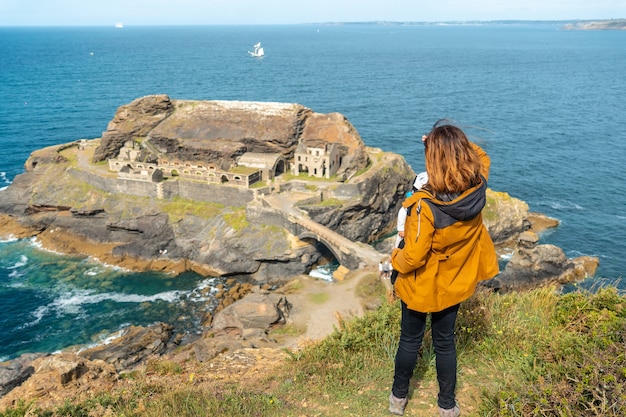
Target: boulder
x,y
243,324
206,349
135,345
56,378
533,265
255,311
16,371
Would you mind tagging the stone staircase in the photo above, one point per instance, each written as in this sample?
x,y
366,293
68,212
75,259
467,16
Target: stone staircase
x,y
159,190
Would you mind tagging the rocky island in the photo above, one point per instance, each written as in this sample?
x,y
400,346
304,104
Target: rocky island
x,y
259,192
220,188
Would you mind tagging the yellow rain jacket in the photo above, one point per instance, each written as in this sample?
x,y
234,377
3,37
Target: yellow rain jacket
x,y
447,249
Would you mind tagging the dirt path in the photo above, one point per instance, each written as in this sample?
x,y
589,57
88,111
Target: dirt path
x,y
318,304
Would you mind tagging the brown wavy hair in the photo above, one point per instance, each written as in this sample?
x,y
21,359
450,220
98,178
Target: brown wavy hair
x,y
451,162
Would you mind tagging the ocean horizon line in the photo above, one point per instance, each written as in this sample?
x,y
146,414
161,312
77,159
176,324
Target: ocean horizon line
x,y
114,25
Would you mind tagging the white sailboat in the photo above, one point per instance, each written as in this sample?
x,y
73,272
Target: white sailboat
x,y
258,51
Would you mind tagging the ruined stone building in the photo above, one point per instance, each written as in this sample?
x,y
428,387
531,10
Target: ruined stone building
x,y
317,158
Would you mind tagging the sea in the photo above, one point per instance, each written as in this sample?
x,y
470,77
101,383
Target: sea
x,y
548,105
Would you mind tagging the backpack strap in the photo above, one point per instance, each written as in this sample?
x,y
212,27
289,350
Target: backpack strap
x,y
418,211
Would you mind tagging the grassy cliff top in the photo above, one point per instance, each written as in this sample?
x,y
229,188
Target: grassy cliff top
x,y
535,353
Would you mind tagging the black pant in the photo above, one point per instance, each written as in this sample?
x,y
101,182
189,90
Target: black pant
x,y
412,332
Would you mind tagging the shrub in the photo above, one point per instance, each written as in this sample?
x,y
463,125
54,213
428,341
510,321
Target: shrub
x,y
580,369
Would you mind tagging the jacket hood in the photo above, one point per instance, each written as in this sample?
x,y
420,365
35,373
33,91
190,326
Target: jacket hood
x,y
466,206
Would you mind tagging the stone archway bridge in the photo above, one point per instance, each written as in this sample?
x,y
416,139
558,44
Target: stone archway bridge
x,y
349,254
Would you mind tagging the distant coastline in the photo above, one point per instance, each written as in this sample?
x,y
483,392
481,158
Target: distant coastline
x,y
611,24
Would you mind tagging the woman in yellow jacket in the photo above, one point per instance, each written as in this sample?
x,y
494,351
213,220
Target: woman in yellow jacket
x,y
447,250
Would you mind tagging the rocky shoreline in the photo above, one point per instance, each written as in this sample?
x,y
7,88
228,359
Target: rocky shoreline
x,y
264,238
243,320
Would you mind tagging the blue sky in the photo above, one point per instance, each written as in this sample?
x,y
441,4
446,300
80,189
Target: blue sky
x,y
229,12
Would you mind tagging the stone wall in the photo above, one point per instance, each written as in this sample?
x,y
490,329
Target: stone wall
x,y
269,216
220,194
343,192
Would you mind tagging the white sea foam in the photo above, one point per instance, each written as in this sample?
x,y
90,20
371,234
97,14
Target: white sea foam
x,y
38,315
322,272
9,239
106,338
106,265
16,274
506,256
563,205
4,179
207,283
37,244
111,337
95,270
74,299
204,284
15,284
34,242
22,262
71,303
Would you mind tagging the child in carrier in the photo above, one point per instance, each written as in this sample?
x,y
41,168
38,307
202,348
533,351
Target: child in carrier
x,y
420,180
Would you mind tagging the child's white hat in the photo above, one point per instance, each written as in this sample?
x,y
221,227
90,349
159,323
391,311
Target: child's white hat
x,y
420,180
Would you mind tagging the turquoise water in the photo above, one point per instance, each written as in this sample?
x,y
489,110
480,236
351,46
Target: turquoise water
x,y
548,106
51,301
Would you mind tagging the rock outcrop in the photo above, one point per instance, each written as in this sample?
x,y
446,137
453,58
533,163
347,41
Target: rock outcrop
x,y
505,217
533,265
243,324
372,207
219,132
56,378
182,224
134,120
16,371
134,346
